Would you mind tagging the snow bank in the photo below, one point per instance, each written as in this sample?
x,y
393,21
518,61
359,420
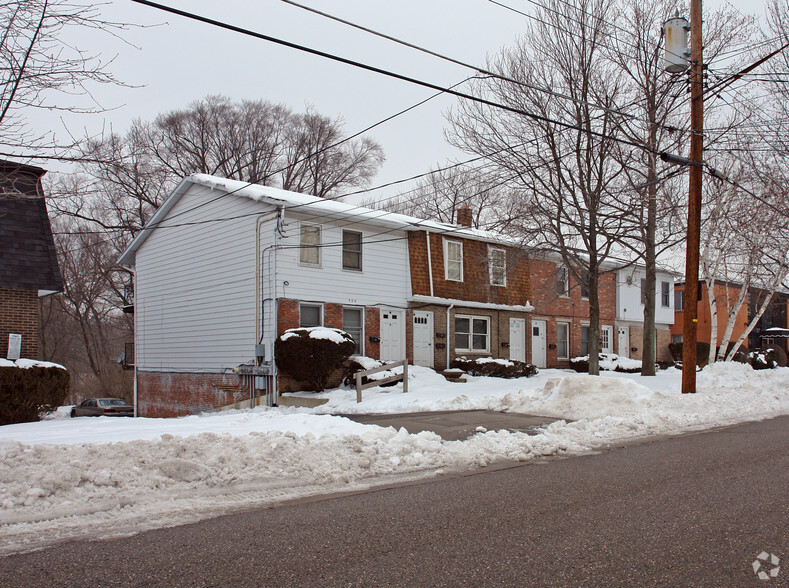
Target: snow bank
x,y
28,363
101,477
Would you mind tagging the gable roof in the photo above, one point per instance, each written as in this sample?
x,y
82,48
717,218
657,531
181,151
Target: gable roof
x,y
28,259
293,201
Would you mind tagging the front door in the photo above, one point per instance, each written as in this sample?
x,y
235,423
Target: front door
x,y
538,329
423,338
518,339
624,341
392,335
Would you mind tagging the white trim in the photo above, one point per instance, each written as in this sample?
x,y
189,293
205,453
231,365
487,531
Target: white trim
x,y
447,242
362,319
314,305
567,341
471,304
472,318
317,247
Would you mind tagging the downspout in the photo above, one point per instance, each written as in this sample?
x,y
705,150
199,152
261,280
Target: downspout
x,y
429,265
449,334
134,278
274,374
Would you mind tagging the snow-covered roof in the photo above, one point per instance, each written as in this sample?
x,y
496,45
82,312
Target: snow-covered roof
x,y
295,202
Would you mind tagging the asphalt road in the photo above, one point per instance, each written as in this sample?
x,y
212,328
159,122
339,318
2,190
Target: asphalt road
x,y
695,510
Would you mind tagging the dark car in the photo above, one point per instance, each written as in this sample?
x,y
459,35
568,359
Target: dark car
x,y
102,407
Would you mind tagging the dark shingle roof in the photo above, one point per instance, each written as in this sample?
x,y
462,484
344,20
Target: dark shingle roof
x,y
27,251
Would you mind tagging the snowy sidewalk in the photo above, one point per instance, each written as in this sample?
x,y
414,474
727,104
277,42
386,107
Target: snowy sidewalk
x,y
456,425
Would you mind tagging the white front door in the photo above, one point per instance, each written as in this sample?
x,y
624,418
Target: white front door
x,y
423,338
392,334
538,329
518,339
624,341
607,339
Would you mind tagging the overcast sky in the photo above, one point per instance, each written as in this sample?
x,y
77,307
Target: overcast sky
x,y
181,60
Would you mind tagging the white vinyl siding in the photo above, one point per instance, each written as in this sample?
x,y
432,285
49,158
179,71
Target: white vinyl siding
x,y
497,261
453,260
195,299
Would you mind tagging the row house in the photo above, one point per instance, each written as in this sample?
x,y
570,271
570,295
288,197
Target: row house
x,y
224,267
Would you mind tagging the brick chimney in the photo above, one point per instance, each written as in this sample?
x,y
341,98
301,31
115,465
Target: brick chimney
x,y
464,216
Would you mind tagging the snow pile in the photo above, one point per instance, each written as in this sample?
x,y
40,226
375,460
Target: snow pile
x,y
28,363
67,478
611,361
334,335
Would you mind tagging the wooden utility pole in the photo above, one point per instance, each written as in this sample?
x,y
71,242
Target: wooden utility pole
x,y
694,201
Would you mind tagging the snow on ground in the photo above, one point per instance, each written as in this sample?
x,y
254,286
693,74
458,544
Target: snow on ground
x,y
68,478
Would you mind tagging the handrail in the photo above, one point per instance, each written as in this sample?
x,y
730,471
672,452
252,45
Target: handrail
x,y
372,383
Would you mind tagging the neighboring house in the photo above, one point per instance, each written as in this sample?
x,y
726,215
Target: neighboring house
x,y
28,260
769,329
560,321
726,294
224,267
630,299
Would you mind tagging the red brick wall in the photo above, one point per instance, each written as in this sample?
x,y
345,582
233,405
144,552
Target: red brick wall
x,y
552,307
176,394
476,284
19,313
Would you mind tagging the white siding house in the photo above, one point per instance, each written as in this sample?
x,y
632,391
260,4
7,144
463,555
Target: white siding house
x,y
630,296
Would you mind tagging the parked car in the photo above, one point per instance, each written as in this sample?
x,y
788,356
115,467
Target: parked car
x,y
102,407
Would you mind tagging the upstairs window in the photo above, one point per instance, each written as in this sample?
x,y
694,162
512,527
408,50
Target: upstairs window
x,y
310,245
679,299
352,250
497,261
562,285
665,294
453,260
584,284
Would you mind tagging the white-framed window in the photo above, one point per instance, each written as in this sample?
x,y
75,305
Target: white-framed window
x,y
472,333
665,294
584,339
310,244
453,260
352,250
310,315
562,340
353,324
562,281
497,262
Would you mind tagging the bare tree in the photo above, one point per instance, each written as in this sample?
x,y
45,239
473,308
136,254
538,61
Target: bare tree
x,y
40,71
563,150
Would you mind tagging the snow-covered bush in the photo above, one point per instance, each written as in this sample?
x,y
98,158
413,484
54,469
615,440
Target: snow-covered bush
x,y
311,354
702,352
767,358
494,368
30,388
608,361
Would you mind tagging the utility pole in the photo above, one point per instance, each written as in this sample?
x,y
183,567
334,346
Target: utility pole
x,y
694,201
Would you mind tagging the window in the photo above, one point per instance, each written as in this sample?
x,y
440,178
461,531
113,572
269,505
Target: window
x,y
606,339
679,299
310,315
585,340
643,291
497,260
352,250
472,333
665,294
676,338
310,244
352,324
584,284
562,340
562,286
453,260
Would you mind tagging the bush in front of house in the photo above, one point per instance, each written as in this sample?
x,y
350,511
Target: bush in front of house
x,y
311,354
767,358
609,362
702,352
26,393
494,368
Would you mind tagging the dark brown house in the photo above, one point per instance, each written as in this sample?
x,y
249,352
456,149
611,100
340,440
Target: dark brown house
x,y
28,262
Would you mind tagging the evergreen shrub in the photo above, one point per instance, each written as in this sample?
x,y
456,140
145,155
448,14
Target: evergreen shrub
x,y
310,358
26,394
495,369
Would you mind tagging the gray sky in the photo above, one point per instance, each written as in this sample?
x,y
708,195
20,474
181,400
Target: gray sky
x,y
182,60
